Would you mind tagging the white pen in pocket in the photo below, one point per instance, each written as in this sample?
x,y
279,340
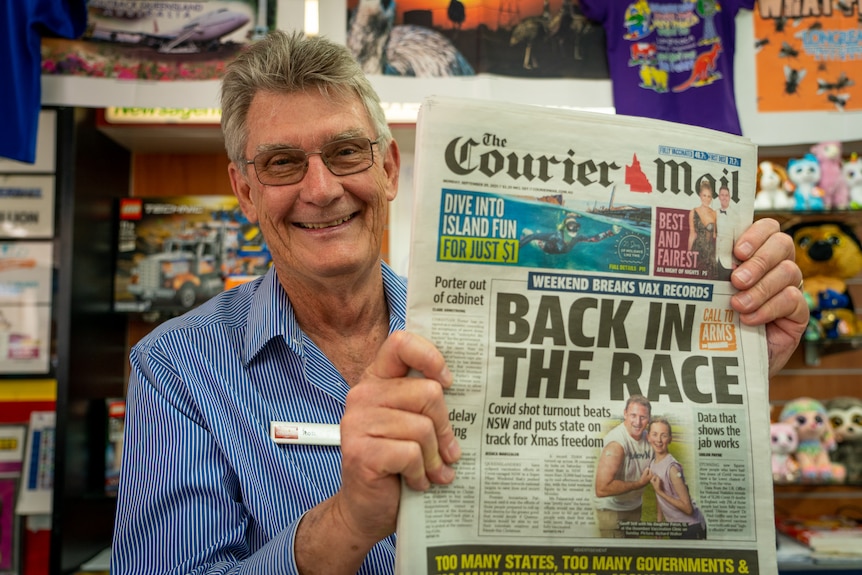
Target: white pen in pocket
x,y
305,433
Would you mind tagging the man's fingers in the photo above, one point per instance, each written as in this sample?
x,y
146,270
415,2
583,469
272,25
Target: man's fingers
x,y
413,409
403,351
766,271
761,248
406,443
756,235
787,304
773,283
409,459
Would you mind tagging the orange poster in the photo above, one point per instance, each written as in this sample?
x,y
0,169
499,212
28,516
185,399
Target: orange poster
x,y
808,55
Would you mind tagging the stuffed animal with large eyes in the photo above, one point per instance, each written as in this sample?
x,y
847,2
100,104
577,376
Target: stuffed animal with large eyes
x,y
836,193
774,190
816,440
845,415
828,253
805,174
783,441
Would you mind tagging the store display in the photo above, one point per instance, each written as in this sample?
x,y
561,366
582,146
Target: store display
x,y
672,59
816,440
799,378
805,174
822,179
27,206
852,172
116,411
25,306
11,458
774,189
383,47
784,441
845,415
37,478
175,252
807,56
835,535
828,253
836,194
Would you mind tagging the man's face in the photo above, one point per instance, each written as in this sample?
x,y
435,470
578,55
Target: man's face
x,y
636,419
724,198
324,226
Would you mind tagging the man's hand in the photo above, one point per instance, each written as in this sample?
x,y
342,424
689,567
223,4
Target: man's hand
x,y
393,426
768,279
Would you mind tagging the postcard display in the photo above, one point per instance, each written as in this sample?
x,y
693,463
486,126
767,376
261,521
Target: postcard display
x,y
26,256
560,263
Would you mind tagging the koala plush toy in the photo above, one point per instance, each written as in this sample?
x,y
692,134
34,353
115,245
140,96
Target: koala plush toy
x,y
845,415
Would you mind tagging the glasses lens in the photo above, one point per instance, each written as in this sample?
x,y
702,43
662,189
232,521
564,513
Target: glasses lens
x,y
345,157
283,166
288,165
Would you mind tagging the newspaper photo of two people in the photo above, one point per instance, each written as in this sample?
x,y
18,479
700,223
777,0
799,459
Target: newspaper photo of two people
x,y
573,269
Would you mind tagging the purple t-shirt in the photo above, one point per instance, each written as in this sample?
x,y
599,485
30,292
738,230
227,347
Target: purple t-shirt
x,y
672,59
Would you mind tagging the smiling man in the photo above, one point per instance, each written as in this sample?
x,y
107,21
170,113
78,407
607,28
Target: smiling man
x,y
622,470
318,340
204,488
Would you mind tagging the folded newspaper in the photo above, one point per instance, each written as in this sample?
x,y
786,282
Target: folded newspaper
x,y
611,408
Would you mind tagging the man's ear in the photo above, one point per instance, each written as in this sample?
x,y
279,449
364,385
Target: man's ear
x,y
392,167
242,191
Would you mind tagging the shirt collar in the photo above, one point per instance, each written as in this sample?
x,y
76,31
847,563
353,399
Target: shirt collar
x,y
271,314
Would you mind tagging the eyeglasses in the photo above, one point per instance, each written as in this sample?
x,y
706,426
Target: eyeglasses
x,y
283,166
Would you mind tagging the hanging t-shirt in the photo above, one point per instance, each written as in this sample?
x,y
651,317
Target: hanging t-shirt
x,y
22,25
672,59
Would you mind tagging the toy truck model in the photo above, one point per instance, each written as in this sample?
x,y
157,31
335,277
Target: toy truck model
x,y
187,270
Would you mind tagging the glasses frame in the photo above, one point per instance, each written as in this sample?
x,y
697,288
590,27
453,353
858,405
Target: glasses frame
x,y
319,152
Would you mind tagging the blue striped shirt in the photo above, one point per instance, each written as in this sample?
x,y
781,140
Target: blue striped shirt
x,y
203,489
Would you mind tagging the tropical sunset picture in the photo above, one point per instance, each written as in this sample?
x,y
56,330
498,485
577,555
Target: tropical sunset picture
x,y
530,38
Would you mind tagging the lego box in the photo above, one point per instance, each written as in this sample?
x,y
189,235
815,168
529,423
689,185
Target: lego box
x,y
173,253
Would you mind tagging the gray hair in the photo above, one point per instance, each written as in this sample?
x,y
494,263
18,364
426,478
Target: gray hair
x,y
289,62
638,400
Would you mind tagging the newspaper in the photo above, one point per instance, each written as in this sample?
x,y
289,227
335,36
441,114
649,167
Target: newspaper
x,y
564,262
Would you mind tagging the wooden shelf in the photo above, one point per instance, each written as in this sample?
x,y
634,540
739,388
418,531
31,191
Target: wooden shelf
x,y
788,218
816,349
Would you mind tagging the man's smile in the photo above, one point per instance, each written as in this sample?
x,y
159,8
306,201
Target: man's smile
x,y
321,226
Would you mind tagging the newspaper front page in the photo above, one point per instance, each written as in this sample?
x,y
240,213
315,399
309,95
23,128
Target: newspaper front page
x,y
611,408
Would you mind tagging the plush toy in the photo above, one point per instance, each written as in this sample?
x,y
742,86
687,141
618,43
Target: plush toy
x,y
816,440
805,173
836,194
828,253
783,441
773,188
852,170
845,415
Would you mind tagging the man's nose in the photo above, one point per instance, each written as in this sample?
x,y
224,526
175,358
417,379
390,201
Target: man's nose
x,y
319,186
